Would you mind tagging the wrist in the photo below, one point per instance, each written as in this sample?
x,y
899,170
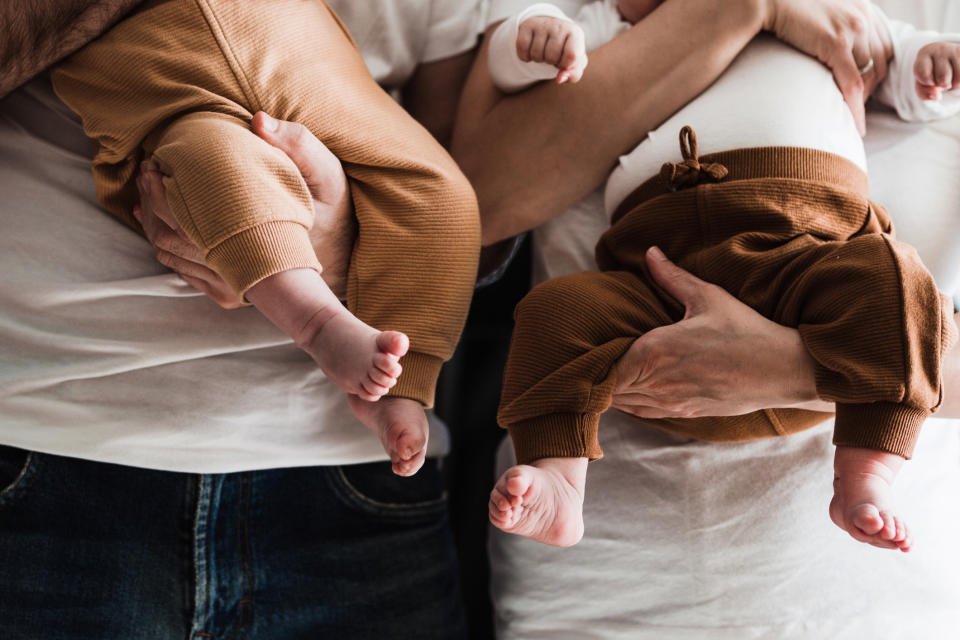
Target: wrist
x,y
800,368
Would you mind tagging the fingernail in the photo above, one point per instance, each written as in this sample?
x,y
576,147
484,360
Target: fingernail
x,y
137,214
656,254
269,123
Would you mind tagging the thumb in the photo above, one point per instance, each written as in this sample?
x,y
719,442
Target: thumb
x,y
680,283
311,157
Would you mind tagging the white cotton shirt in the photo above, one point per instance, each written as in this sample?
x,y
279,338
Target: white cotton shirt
x,y
108,356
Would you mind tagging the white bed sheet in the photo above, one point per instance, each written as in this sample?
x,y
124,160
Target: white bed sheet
x,y
701,541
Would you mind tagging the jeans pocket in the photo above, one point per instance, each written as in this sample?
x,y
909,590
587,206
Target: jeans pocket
x,y
17,467
375,490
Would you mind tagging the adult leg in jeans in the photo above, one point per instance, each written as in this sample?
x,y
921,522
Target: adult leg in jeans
x,y
93,550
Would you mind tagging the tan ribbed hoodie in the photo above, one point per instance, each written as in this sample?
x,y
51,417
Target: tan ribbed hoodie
x,y
788,231
181,79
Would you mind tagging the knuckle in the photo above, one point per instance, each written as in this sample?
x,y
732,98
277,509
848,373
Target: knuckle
x,y
300,137
841,42
165,258
163,242
857,23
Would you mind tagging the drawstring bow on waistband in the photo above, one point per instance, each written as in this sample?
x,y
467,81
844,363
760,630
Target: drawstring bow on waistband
x,y
690,172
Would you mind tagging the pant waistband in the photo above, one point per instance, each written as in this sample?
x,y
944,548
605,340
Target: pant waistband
x,y
797,163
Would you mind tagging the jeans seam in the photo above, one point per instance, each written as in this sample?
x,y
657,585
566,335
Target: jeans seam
x,y
245,605
200,561
22,481
351,493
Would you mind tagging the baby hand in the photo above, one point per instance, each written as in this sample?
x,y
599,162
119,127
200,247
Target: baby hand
x,y
553,41
937,69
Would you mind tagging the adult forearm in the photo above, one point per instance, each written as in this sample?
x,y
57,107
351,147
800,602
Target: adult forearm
x,y
37,33
532,154
950,369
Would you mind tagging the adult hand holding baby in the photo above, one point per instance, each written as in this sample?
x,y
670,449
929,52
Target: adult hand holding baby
x,y
846,36
722,359
332,234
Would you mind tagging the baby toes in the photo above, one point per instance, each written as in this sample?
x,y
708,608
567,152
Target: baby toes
x,y
867,518
889,529
409,466
372,391
393,342
517,484
387,364
381,379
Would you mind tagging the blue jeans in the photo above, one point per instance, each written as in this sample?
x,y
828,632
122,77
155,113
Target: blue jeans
x,y
102,551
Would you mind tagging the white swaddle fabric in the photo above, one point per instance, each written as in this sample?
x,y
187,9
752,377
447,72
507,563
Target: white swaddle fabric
x,y
690,540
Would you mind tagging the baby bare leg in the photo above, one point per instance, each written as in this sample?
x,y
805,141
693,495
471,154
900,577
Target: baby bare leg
x,y
542,501
402,427
354,356
862,502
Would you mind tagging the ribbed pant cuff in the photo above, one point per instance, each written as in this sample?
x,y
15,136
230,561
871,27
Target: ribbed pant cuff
x,y
884,426
419,378
559,435
246,258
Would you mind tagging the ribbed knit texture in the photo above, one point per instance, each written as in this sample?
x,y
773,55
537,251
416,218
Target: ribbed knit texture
x,y
180,79
791,233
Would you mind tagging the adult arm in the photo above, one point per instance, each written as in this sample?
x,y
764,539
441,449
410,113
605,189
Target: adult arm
x,y
37,33
724,358
433,91
531,155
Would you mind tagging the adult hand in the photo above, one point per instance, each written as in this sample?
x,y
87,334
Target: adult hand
x,y
722,359
846,35
332,234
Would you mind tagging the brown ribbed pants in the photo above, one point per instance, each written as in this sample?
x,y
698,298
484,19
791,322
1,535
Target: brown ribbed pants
x,y
181,79
789,232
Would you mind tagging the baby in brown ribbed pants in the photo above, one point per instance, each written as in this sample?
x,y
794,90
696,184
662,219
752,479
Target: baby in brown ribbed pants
x,y
179,81
786,228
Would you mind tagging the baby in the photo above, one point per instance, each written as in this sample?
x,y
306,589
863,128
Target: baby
x,y
179,81
778,215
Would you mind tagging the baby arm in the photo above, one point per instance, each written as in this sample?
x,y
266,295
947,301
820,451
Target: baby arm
x,y
537,44
937,69
922,74
553,41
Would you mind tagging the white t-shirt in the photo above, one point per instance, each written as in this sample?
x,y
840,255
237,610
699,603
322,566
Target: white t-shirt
x,y
698,541
106,355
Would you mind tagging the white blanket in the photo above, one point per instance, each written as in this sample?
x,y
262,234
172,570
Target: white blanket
x,y
703,541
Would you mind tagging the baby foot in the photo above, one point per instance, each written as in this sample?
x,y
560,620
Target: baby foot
x,y
402,427
356,357
862,502
542,501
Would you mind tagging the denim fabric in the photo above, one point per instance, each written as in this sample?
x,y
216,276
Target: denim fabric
x,y
101,551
